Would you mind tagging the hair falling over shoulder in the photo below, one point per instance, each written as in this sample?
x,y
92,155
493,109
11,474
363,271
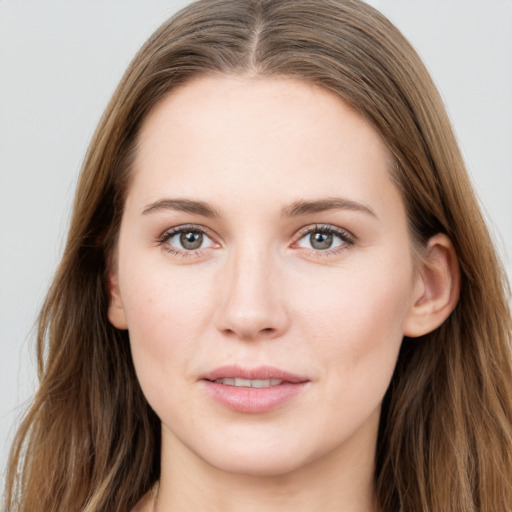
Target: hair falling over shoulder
x,y
90,442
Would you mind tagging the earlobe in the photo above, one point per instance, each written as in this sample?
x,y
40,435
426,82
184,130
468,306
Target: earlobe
x,y
437,288
116,313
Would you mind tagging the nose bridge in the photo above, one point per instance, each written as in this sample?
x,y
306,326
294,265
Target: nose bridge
x,y
253,304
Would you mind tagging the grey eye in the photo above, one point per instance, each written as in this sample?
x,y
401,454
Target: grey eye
x,y
191,240
320,240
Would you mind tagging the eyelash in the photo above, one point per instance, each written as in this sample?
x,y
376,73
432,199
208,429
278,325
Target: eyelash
x,y
187,228
346,238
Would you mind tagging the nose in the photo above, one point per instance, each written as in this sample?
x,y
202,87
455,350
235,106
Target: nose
x,y
253,304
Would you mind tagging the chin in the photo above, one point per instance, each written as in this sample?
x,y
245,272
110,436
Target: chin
x,y
259,464
260,457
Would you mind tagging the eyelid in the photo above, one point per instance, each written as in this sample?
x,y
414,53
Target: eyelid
x,y
346,236
325,227
171,232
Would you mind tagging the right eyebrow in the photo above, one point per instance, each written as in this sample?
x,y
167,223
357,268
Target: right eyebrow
x,y
181,205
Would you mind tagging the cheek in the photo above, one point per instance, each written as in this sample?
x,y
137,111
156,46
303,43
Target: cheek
x,y
355,317
355,324
161,299
167,315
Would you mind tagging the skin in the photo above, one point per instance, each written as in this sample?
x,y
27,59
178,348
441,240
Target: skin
x,y
258,293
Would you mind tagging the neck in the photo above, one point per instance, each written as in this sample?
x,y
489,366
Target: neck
x,y
341,480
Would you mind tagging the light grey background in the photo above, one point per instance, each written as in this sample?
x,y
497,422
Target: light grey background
x,y
59,63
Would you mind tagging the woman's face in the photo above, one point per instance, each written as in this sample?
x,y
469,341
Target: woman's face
x,y
264,273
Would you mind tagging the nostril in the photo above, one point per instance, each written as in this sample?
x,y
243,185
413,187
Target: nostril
x,y
250,333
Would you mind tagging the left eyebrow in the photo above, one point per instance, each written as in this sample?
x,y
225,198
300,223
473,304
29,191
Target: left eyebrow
x,y
299,208
181,205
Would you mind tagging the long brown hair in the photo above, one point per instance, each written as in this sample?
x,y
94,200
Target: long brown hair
x,y
90,442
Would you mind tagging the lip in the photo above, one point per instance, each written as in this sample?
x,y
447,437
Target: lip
x,y
253,400
260,372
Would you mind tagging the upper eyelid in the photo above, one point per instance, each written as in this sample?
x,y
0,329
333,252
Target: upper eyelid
x,y
324,227
183,227
164,240
342,232
301,231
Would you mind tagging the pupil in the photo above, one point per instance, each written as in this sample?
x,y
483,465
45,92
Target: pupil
x,y
191,240
321,240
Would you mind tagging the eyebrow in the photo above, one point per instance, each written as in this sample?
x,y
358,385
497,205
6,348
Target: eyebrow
x,y
182,205
296,209
299,208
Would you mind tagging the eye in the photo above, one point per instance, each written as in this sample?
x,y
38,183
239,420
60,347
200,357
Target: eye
x,y
324,238
184,239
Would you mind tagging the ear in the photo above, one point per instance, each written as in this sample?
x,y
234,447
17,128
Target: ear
x,y
437,287
115,308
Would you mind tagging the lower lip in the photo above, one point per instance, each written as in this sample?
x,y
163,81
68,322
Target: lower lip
x,y
253,400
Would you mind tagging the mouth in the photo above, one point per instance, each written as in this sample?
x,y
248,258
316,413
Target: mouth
x,y
235,375
253,390
249,383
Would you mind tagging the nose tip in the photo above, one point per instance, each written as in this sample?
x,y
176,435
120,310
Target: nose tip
x,y
250,324
253,305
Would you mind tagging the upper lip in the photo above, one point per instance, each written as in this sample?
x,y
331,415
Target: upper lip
x,y
257,373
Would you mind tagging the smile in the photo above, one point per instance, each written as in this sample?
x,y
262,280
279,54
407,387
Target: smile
x,y
253,390
246,383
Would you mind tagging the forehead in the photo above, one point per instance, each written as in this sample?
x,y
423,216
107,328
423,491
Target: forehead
x,y
279,136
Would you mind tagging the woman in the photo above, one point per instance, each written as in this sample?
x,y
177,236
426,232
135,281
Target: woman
x,y
278,290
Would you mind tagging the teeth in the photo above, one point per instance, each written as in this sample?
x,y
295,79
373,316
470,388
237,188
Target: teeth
x,y
246,383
